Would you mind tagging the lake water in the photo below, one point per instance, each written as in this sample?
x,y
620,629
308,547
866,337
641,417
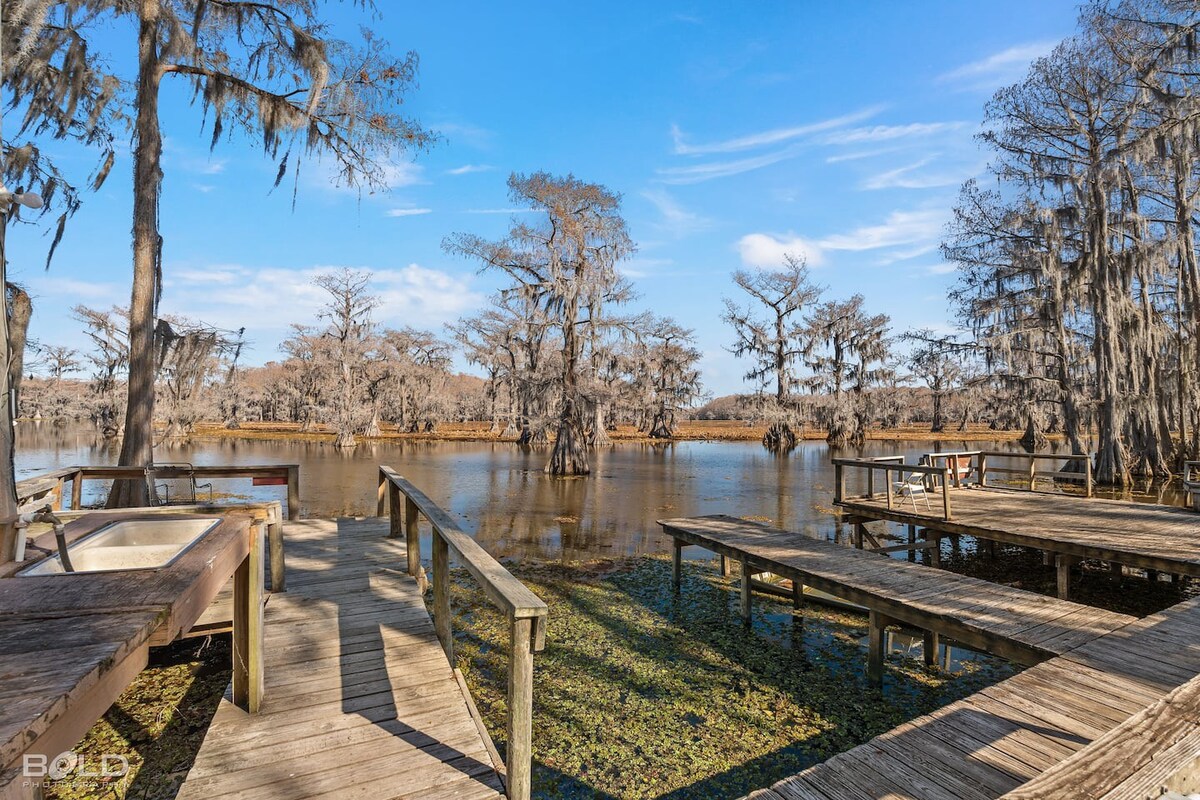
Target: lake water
x,y
500,494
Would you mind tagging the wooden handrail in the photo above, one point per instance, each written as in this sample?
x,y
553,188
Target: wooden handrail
x,y
1149,753
887,465
36,487
526,612
1033,473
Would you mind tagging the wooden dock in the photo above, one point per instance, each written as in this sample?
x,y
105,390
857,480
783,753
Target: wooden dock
x,y
1113,718
1150,537
360,700
1012,623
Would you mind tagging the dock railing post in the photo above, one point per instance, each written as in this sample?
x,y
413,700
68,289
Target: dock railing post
x,y
1087,476
248,671
1032,473
293,491
77,490
395,510
441,594
946,493
983,469
56,503
519,780
839,483
412,539
381,495
871,483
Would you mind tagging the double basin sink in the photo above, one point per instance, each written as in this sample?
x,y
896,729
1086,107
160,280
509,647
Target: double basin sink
x,y
128,545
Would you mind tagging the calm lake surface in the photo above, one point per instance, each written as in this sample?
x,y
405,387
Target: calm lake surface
x,y
500,494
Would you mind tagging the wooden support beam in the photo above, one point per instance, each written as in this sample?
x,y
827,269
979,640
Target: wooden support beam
x,y
745,604
860,530
676,564
1063,564
930,647
876,626
248,671
797,595
897,548
724,567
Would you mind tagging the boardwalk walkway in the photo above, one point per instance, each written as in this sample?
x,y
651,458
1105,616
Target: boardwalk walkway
x,y
1134,534
996,740
1012,623
360,699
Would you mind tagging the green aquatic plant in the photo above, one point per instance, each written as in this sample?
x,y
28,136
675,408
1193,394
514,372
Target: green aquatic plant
x,y
641,693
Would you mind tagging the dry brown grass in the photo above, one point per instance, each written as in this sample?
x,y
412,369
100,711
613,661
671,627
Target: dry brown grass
x,y
688,430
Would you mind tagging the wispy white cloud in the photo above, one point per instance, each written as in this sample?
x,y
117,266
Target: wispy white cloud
x,y
324,174
722,169
769,137
73,291
467,169
268,300
998,69
676,220
407,212
913,176
859,155
945,268
644,267
904,234
886,133
769,250
900,228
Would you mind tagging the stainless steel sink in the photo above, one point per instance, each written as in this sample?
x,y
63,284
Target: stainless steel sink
x,y
128,545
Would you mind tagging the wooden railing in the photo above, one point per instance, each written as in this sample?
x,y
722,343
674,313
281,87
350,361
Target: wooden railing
x,y
963,463
49,487
888,465
1151,754
525,611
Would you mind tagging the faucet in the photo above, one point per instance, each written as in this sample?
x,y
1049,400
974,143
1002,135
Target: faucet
x,y
46,514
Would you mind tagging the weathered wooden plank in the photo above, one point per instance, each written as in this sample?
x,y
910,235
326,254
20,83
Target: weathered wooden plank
x,y
360,700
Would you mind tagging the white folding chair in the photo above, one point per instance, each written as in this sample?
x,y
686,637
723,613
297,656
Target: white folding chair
x,y
912,487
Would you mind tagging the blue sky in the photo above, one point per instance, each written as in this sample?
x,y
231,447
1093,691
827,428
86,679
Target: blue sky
x,y
736,132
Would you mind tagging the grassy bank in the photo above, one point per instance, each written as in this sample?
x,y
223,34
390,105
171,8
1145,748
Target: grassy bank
x,y
688,430
643,694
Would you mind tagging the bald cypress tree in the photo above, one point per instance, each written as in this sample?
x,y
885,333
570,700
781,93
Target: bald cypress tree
x,y
267,68
564,263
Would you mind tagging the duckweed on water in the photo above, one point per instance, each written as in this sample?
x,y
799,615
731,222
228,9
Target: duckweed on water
x,y
641,693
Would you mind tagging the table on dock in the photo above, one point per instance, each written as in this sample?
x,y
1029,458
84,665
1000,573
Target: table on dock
x,y
71,643
1019,625
1143,535
1132,692
360,701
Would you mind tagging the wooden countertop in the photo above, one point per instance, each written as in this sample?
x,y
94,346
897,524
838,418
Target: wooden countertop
x,y
70,643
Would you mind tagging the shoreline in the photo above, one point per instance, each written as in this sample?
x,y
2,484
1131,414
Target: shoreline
x,y
687,431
